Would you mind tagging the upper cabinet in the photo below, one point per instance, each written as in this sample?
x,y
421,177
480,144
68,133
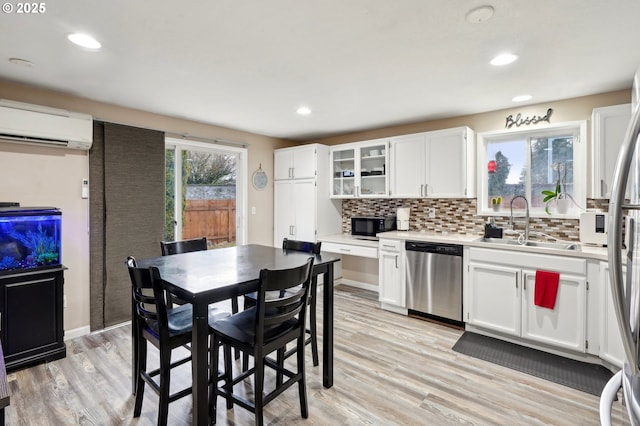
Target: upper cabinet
x,y
295,163
359,170
609,125
439,164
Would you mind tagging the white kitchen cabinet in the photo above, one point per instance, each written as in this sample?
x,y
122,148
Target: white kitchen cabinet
x,y
302,207
295,163
391,274
611,346
563,326
438,164
609,125
501,286
359,170
495,297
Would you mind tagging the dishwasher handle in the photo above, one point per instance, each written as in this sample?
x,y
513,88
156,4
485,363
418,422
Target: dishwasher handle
x,y
438,248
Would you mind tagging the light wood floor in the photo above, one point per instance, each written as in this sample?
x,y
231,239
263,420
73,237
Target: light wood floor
x,y
389,370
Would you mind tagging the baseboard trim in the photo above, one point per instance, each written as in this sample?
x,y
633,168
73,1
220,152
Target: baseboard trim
x,y
357,284
77,332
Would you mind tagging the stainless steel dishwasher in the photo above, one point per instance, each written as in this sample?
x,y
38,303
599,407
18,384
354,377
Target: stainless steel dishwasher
x,y
434,280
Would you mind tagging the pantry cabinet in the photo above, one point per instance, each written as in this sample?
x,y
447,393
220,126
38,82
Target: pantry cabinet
x,y
295,163
303,209
609,125
359,170
500,288
438,164
391,274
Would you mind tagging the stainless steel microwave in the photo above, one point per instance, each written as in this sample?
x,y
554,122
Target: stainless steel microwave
x,y
369,226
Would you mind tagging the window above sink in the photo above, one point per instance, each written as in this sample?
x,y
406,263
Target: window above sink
x,y
528,162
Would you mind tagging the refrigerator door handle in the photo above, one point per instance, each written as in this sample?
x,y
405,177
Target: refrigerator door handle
x,y
614,239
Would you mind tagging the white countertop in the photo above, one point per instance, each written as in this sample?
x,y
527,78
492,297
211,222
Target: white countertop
x,y
469,240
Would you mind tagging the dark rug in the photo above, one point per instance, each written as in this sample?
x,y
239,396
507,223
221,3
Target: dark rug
x,y
583,376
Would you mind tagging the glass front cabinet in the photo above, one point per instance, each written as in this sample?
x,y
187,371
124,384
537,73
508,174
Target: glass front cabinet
x,y
359,170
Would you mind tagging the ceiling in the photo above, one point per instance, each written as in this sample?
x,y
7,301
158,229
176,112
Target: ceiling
x,y
358,64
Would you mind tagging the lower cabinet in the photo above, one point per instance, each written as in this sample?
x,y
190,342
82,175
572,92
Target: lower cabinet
x,y
611,346
31,309
501,297
391,286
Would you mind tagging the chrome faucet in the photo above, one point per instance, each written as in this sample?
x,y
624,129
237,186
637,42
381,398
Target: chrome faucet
x,y
526,227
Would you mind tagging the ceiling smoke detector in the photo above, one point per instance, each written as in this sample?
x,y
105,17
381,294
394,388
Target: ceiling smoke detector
x,y
480,14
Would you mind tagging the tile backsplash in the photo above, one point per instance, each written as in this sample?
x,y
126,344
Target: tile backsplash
x,y
458,216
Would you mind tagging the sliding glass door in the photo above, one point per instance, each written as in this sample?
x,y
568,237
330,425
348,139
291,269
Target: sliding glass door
x,y
205,192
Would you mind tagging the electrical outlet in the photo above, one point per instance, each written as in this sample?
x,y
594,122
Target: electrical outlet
x,y
431,212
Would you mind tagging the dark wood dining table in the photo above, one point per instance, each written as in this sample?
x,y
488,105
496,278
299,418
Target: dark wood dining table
x,y
210,276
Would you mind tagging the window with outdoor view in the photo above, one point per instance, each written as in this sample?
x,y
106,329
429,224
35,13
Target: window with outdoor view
x,y
547,166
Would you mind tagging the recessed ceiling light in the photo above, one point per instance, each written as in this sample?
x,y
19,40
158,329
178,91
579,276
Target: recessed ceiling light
x,y
84,40
480,14
21,62
503,59
521,98
303,110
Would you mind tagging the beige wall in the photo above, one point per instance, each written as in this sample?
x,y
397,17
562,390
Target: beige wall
x,y
48,176
565,110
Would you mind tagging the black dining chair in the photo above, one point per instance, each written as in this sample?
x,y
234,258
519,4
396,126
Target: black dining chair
x,y
166,329
278,318
250,300
187,246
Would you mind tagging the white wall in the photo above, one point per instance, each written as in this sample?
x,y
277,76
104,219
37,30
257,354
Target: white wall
x,y
36,176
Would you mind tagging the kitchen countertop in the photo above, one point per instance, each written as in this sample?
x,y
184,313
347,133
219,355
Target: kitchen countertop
x,y
469,240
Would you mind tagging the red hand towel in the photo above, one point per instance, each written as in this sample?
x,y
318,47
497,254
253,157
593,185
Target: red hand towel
x,y
546,289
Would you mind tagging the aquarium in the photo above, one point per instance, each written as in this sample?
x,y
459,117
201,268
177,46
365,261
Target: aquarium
x,y
29,238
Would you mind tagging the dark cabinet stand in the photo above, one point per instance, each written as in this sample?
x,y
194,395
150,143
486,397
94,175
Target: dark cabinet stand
x,y
31,309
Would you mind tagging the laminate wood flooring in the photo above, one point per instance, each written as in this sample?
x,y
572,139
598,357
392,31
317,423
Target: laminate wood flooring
x,y
389,370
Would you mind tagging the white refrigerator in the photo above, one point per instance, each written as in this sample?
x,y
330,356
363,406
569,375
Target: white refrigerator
x,y
626,289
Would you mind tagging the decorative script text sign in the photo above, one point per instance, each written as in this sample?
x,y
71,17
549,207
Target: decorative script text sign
x,y
519,121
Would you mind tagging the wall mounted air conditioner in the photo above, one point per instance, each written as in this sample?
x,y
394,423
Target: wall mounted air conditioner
x,y
37,125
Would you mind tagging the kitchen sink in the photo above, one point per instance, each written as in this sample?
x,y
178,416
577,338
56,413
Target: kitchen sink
x,y
560,245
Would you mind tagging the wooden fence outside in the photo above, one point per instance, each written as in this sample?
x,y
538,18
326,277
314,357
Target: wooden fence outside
x,y
215,219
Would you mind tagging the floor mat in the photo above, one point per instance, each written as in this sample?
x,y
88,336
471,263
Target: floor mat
x,y
578,375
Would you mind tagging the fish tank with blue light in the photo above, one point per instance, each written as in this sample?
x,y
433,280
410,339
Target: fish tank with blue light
x,y
30,238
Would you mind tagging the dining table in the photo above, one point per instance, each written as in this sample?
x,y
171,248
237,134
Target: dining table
x,y
210,276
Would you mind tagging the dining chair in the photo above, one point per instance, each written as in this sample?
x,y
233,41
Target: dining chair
x,y
250,300
277,319
187,246
166,329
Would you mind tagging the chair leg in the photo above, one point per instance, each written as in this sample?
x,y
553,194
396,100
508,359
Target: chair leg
x,y
213,378
302,383
235,309
312,322
228,373
165,381
280,362
142,366
245,362
258,380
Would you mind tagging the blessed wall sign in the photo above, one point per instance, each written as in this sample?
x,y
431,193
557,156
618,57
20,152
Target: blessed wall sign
x,y
518,120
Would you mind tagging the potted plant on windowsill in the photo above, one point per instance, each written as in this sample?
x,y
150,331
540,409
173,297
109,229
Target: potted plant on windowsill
x,y
559,195
496,203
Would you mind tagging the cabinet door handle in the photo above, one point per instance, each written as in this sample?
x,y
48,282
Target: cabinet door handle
x,y
422,190
524,282
396,262
516,280
388,246
345,250
426,189
602,187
